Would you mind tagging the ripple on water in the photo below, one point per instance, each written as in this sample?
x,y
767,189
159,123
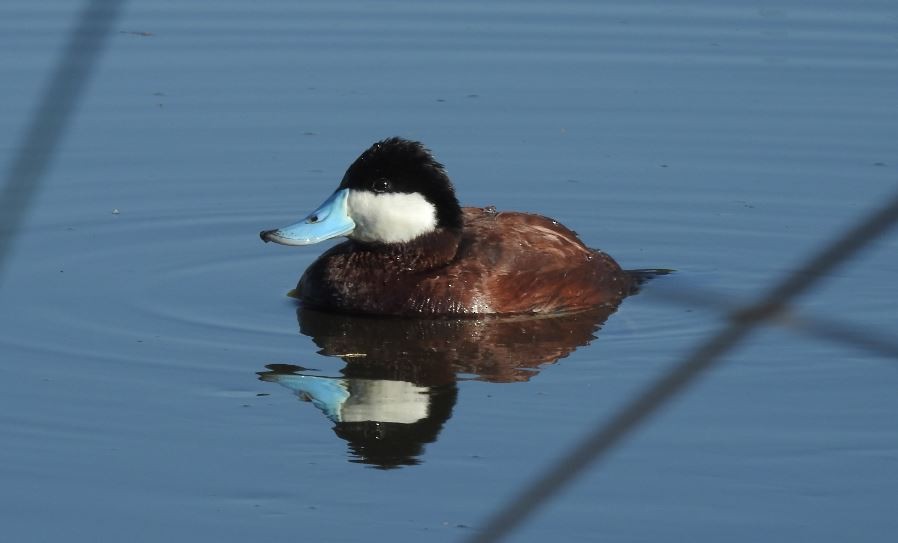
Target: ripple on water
x,y
200,281
205,279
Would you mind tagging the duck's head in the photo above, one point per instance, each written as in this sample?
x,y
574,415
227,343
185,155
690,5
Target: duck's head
x,y
393,193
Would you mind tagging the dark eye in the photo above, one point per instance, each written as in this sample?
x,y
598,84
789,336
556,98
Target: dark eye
x,y
381,185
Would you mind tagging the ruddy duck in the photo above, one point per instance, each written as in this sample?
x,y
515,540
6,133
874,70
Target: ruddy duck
x,y
412,250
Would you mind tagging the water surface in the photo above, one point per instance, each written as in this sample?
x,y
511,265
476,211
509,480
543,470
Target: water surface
x,y
144,329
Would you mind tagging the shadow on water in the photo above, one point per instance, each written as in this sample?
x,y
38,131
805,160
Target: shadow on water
x,y
399,384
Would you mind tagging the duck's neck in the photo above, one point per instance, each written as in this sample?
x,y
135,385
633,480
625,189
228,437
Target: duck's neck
x,y
425,252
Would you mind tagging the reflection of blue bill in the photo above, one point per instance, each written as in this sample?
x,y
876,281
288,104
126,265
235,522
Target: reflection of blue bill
x,y
326,393
361,400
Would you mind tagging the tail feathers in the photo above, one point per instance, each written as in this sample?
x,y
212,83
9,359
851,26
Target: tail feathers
x,y
641,277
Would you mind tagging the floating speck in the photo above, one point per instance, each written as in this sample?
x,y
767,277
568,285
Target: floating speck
x,y
116,211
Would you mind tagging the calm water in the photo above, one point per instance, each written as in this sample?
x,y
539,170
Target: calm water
x,y
152,366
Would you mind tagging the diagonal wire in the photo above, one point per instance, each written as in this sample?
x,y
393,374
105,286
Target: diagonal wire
x,y
839,332
832,330
52,116
604,437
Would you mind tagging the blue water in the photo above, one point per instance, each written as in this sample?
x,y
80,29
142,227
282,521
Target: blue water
x,y
726,141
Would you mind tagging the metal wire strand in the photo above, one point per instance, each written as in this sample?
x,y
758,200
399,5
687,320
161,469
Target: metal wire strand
x,y
842,333
52,116
604,437
836,331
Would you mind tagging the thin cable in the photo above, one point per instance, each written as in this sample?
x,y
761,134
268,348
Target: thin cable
x,y
832,330
605,436
51,118
841,333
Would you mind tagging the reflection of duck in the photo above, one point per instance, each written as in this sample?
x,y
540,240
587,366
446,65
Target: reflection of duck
x,y
413,250
398,387
386,420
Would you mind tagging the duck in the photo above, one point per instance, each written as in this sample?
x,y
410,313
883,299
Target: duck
x,y
413,251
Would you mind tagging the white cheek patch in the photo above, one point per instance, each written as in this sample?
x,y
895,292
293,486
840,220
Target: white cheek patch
x,y
385,401
390,217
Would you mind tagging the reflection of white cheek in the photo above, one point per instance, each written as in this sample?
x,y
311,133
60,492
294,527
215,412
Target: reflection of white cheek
x,y
390,217
385,401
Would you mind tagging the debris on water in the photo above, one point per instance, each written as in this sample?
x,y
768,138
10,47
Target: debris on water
x,y
115,211
136,33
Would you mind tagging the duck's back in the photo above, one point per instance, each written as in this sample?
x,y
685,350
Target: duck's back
x,y
506,263
537,265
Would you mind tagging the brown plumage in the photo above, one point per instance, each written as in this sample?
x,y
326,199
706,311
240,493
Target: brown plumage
x,y
414,251
498,263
